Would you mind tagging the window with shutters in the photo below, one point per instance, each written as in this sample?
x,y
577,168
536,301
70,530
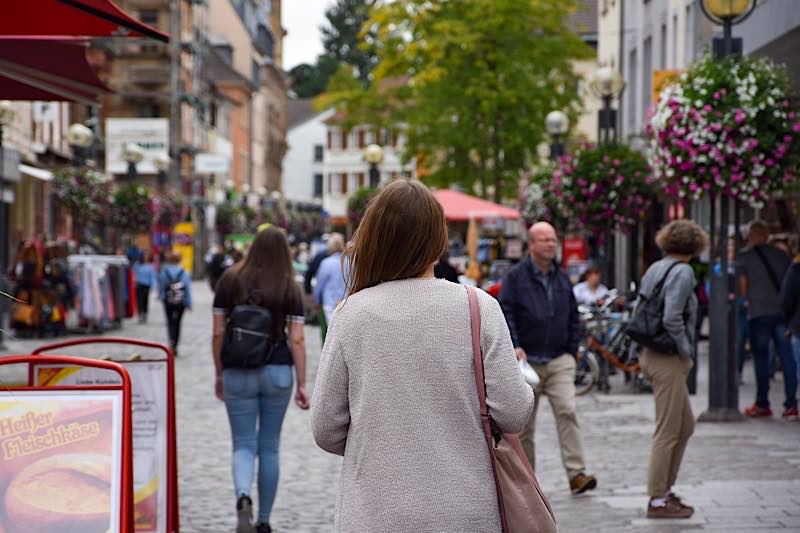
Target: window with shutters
x,y
318,153
330,139
361,138
318,179
361,179
337,183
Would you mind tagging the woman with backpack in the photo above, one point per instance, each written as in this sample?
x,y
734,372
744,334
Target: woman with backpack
x,y
396,387
175,291
258,337
667,290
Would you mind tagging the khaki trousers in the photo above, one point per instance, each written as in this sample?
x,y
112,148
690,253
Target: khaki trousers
x,y
558,384
674,418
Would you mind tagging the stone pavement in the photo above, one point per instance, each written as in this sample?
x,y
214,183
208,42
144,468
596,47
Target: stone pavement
x,y
740,477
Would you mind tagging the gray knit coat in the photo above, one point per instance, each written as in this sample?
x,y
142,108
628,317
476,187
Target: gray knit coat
x,y
395,395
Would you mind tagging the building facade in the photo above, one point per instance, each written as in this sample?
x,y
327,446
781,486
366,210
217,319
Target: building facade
x,y
345,170
303,167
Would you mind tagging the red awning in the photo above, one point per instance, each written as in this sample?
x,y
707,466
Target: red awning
x,y
460,207
71,18
28,71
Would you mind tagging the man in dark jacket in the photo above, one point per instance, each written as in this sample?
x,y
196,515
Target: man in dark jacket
x,y
543,319
790,304
762,267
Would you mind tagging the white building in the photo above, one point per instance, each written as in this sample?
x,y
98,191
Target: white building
x,y
303,165
346,170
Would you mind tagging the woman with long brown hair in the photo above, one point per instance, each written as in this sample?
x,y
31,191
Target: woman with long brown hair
x,y
256,391
395,391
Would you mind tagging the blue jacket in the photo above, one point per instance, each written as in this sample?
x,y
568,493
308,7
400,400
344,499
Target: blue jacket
x,y
544,329
170,272
145,274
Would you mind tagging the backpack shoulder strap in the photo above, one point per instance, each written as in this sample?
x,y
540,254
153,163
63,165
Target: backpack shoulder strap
x,y
660,284
770,272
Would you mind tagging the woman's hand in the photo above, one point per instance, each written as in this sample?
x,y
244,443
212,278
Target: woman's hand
x,y
301,397
218,388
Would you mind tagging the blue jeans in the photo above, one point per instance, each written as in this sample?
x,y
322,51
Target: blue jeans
x,y
763,330
256,401
796,347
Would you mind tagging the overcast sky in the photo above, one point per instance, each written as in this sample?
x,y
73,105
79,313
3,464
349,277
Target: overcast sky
x,y
302,19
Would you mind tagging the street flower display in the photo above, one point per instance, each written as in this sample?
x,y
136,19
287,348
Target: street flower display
x,y
727,127
131,210
597,189
357,204
83,192
167,209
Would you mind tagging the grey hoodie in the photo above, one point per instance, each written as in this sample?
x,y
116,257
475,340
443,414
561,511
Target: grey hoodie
x,y
680,302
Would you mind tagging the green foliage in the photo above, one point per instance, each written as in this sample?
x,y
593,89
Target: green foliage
x,y
358,202
131,209
472,82
225,219
342,45
83,192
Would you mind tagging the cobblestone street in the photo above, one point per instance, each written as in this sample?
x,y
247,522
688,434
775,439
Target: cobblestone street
x,y
740,477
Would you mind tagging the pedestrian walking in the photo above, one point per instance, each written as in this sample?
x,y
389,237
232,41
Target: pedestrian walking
x,y
395,391
175,290
145,275
762,267
216,264
668,367
542,316
330,287
790,304
258,338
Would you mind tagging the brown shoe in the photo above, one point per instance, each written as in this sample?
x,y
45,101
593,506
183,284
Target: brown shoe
x,y
676,499
581,483
671,509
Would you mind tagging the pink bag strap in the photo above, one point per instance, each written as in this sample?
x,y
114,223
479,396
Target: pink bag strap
x,y
486,421
477,355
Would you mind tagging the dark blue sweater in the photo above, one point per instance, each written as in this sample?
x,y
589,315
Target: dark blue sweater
x,y
544,328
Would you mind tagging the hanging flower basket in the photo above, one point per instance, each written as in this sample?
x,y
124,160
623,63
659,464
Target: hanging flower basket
x,y
131,209
225,218
596,189
727,128
83,192
167,209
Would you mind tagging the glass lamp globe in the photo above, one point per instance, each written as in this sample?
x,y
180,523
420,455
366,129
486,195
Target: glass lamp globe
x,y
132,153
727,9
373,154
6,112
607,82
80,136
556,123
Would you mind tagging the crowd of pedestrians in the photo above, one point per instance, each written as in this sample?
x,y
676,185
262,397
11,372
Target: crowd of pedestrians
x,y
395,391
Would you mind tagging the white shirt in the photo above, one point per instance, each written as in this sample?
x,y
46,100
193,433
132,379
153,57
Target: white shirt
x,y
584,295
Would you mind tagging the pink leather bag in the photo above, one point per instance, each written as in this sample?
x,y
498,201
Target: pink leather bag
x,y
523,505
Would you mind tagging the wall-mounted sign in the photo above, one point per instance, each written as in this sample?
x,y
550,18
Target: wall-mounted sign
x,y
151,134
211,163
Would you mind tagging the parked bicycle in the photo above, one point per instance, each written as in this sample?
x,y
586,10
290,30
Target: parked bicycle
x,y
606,348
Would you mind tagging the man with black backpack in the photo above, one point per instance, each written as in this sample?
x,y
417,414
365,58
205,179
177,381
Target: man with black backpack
x,y
761,271
175,289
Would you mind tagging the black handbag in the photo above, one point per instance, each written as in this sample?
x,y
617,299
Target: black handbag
x,y
646,326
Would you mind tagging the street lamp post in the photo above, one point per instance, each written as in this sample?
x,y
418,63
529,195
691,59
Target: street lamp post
x,y
607,85
374,155
162,163
133,155
80,138
723,394
6,116
556,123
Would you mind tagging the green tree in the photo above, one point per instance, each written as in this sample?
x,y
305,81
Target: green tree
x,y
471,82
343,45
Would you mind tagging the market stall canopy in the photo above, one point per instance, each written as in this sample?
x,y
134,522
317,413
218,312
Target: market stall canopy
x,y
460,207
72,18
28,71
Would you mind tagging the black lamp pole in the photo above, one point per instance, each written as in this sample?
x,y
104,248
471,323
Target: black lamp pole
x,y
723,394
374,175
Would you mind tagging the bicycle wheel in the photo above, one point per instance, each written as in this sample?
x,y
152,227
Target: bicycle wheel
x,y
587,372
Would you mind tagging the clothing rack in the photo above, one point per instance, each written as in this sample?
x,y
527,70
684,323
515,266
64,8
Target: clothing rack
x,y
104,294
